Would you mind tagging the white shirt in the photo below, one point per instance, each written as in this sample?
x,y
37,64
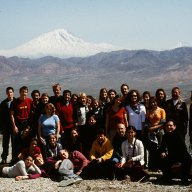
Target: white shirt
x,y
127,151
135,119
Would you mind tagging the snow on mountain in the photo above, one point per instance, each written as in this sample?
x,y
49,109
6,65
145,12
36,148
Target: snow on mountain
x,y
58,43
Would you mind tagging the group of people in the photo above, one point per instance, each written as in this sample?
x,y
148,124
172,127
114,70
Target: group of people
x,y
77,136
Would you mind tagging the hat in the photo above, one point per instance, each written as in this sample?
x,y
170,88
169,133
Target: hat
x,y
66,167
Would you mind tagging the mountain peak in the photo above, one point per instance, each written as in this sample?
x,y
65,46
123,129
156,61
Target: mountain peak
x,y
59,43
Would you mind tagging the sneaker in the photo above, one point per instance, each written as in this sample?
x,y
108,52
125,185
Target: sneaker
x,y
66,182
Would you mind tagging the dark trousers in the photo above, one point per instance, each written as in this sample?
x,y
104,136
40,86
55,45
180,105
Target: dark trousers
x,y
17,143
7,136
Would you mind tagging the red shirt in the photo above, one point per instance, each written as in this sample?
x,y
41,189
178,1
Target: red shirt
x,y
116,117
65,114
21,108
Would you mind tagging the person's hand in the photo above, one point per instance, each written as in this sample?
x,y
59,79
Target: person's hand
x,y
15,130
163,155
78,172
42,140
119,165
99,160
18,178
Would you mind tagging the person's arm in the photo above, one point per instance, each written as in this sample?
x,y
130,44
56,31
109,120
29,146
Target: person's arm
x,y
140,154
109,153
83,160
57,129
15,129
39,131
126,119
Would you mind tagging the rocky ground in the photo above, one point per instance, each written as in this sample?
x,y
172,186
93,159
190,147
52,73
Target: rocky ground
x,y
46,185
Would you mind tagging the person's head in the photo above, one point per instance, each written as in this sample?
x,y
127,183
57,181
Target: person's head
x,y
33,143
23,91
28,161
103,94
170,125
131,133
67,95
35,94
160,95
10,92
74,98
146,96
133,96
74,133
124,89
26,132
56,89
101,136
121,129
45,98
89,100
117,100
152,103
64,154
52,139
175,93
95,103
50,109
39,161
92,120
82,98
111,94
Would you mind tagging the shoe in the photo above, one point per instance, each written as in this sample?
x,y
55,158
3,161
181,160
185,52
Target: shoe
x,y
127,178
4,161
66,182
185,182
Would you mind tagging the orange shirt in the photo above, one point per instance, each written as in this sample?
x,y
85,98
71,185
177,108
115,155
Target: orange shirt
x,y
156,116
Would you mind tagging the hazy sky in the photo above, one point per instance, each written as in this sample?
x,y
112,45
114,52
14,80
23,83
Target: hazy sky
x,y
132,24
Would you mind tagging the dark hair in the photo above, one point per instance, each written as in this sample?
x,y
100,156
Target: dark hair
x,y
23,88
124,84
130,94
9,88
100,132
112,90
130,127
35,91
67,91
174,88
44,95
172,120
152,99
157,94
146,93
116,97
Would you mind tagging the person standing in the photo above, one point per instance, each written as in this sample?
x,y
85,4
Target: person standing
x,y
20,110
5,123
176,109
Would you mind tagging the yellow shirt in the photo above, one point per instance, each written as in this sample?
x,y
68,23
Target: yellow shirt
x,y
104,151
156,116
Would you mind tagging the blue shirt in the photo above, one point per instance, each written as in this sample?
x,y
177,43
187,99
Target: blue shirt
x,y
48,124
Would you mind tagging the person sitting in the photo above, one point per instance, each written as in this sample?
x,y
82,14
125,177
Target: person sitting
x,y
173,150
132,162
54,147
32,150
119,138
23,169
100,155
73,142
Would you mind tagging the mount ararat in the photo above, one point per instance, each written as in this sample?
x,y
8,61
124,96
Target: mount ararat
x,y
57,43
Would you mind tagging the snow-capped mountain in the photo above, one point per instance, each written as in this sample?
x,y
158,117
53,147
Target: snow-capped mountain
x,y
58,43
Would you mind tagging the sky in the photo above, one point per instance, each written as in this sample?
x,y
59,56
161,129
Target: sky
x,y
131,24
